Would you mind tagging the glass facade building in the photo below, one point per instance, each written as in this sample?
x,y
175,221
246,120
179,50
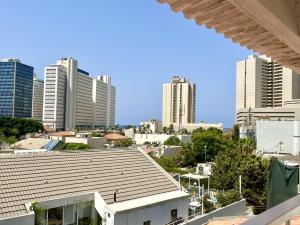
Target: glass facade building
x,y
16,80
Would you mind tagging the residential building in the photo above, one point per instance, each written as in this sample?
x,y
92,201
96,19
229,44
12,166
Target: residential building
x,y
88,139
101,186
37,99
165,151
262,82
179,100
159,138
16,81
278,137
73,99
104,99
179,106
248,117
153,126
34,144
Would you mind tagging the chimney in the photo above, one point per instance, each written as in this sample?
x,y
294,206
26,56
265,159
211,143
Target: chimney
x,y
115,196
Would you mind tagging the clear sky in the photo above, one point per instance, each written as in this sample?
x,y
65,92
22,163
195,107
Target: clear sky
x,y
140,43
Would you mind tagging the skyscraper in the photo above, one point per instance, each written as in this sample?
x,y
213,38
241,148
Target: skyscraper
x,y
73,99
261,83
15,88
37,99
179,99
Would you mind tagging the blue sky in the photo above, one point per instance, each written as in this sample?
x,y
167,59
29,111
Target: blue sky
x,y
141,44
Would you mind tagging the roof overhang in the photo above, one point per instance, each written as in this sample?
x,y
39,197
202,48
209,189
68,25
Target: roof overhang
x,y
270,28
146,201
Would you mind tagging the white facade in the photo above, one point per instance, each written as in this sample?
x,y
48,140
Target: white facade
x,y
278,136
159,138
155,126
37,99
261,82
54,97
75,100
192,126
179,100
249,116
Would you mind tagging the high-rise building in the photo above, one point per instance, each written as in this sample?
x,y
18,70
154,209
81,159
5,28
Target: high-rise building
x,y
16,81
179,99
104,95
37,99
73,99
261,83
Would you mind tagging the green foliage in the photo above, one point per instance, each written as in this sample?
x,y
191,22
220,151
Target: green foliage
x,y
75,146
171,129
165,130
96,134
184,131
173,140
169,165
16,127
208,205
253,169
228,197
235,132
225,170
204,147
9,140
38,211
125,143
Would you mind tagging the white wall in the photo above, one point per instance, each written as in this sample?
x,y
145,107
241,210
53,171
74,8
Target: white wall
x,y
21,220
158,138
270,133
157,214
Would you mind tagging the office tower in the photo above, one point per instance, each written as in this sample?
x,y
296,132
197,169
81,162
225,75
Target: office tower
x,y
37,99
73,99
15,88
179,99
104,95
261,83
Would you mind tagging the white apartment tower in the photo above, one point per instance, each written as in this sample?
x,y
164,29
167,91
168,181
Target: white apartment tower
x,y
104,98
179,99
73,99
37,99
262,83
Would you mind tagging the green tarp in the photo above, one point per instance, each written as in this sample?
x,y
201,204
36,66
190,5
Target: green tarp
x,y
282,183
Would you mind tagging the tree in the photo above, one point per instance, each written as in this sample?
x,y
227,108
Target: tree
x,y
125,143
171,129
225,170
230,164
173,140
245,146
165,130
75,146
184,131
254,172
235,132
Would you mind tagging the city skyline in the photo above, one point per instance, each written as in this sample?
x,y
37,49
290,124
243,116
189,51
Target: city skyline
x,y
140,46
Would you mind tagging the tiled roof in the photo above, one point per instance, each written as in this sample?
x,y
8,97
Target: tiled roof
x,y
63,134
114,137
37,177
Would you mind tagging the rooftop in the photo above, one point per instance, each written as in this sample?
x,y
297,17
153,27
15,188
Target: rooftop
x,y
115,137
38,177
31,143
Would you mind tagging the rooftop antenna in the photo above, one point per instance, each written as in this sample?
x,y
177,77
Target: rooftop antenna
x,y
115,196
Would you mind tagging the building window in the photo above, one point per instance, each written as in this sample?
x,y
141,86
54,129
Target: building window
x,y
173,214
147,222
